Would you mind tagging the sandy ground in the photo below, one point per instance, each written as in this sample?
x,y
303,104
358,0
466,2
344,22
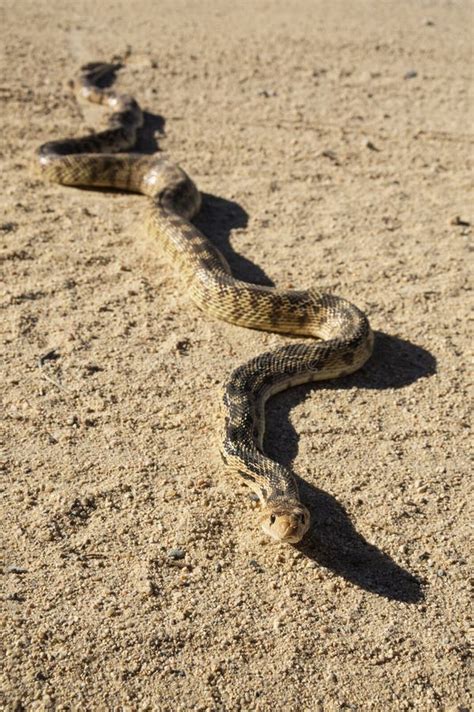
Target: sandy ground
x,y
332,143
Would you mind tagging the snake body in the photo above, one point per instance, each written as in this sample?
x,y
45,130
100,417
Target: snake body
x,y
340,336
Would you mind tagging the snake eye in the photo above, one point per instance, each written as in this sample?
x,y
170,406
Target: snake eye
x,y
272,519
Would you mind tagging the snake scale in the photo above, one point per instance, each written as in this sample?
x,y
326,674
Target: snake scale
x,y
341,336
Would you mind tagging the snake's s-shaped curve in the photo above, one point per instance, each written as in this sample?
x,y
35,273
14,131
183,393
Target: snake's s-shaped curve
x,y
342,338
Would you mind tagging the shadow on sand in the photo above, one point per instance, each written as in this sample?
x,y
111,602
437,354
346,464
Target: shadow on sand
x,y
333,541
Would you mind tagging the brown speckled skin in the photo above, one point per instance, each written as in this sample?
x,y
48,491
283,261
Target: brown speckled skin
x,y
341,336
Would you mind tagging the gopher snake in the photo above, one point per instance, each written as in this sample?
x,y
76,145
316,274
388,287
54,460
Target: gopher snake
x,y
342,332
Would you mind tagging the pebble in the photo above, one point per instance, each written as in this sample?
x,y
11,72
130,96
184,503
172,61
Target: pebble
x,y
8,227
411,74
457,220
328,153
176,554
203,483
267,93
183,346
13,569
368,144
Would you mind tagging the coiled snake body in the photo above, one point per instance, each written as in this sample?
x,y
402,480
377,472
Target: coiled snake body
x,y
341,336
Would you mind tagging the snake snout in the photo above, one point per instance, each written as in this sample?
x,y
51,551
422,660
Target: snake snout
x,y
286,526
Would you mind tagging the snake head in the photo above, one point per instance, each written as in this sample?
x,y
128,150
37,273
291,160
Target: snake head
x,y
287,522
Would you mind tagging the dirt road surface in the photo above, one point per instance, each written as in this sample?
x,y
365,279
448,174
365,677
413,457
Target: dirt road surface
x,y
332,142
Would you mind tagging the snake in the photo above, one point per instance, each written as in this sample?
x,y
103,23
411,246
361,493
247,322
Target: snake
x,y
337,339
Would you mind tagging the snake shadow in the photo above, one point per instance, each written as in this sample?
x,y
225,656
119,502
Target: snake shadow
x,y
153,124
217,219
333,541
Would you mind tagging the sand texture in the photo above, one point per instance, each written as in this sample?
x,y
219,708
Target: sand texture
x,y
332,142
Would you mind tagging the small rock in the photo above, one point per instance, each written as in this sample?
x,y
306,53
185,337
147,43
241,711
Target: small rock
x,y
184,578
202,483
267,93
13,569
411,74
91,368
8,226
328,153
150,589
368,144
51,355
276,624
176,554
456,220
182,346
